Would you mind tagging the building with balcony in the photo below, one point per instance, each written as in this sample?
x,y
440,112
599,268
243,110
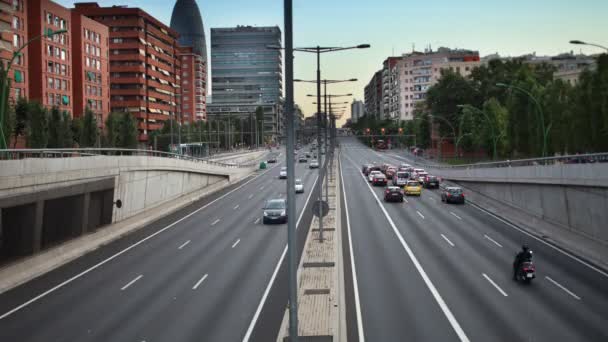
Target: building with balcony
x,y
246,74
13,34
144,64
373,96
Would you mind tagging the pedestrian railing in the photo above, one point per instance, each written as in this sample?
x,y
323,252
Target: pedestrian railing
x,y
17,154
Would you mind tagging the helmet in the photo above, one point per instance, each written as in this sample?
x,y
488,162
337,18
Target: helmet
x,y
525,247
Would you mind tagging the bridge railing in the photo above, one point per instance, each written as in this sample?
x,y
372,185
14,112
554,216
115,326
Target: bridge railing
x,y
13,154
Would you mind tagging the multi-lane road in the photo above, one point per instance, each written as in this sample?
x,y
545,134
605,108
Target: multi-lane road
x,y
420,270
200,274
429,271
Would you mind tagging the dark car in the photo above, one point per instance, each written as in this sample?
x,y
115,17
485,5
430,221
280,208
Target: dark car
x,y
393,193
307,155
275,211
379,179
302,159
452,194
365,167
271,160
430,182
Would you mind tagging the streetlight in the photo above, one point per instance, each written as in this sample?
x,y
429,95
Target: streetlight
x,y
495,137
5,82
580,42
545,130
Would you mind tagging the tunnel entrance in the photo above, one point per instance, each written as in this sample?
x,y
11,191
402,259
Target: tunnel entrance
x,y
17,231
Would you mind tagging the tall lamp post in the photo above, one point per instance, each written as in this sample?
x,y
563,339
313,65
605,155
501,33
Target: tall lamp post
x,y
580,42
493,129
5,84
539,109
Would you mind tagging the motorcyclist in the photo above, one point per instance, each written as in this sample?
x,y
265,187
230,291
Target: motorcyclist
x,y
524,255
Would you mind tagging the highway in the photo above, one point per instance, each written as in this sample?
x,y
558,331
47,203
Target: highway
x,y
199,274
430,271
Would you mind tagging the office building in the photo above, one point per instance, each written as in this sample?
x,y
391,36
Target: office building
x,y
357,110
245,74
186,20
144,65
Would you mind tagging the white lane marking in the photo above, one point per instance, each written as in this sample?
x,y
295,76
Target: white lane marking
x,y
442,304
183,244
405,199
236,243
215,222
447,240
456,216
236,207
496,243
256,315
262,187
101,263
256,221
432,198
496,286
251,196
131,282
420,214
539,239
360,331
198,283
563,288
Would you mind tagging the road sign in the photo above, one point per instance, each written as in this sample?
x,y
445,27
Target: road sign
x,y
320,208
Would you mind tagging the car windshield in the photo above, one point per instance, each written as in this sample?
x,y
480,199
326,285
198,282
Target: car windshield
x,y
284,168
402,175
298,182
413,184
275,204
455,191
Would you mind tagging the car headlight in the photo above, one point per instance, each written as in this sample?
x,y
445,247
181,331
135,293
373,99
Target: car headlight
x,y
283,213
265,214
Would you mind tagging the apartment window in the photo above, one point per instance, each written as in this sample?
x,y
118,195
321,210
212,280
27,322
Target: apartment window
x,y
87,61
63,70
466,68
186,98
57,84
62,24
62,39
56,21
16,23
98,54
17,93
15,40
49,67
64,85
86,47
57,52
185,74
63,54
97,38
86,33
51,99
49,50
49,18
98,65
117,40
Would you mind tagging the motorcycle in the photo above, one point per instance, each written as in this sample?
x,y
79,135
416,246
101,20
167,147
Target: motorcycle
x,y
526,272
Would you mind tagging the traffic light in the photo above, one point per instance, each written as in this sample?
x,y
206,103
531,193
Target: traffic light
x,y
382,129
400,130
367,131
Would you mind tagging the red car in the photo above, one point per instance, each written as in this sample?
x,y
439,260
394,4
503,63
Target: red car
x,y
379,179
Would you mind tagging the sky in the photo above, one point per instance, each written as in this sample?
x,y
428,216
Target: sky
x,y
394,27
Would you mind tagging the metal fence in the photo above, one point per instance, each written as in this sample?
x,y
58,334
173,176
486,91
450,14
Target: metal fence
x,y
17,154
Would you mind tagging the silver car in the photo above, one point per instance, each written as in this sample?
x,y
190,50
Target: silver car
x,y
283,173
314,164
299,186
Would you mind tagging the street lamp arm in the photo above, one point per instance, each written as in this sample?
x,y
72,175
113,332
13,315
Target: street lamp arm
x,y
579,42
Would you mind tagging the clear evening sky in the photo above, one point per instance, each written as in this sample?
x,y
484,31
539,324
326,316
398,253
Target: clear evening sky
x,y
510,28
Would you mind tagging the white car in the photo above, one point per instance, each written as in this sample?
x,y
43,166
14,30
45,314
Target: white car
x,y
299,186
314,164
370,176
283,173
421,176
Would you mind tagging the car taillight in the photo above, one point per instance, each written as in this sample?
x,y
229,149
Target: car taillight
x,y
448,194
387,191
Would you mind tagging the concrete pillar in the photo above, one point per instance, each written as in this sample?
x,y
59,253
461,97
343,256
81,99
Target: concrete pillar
x,y
38,221
85,213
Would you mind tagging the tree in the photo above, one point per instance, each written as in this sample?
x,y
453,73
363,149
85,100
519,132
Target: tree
x,y
21,119
90,132
7,127
128,131
444,97
112,129
38,127
76,129
67,137
55,127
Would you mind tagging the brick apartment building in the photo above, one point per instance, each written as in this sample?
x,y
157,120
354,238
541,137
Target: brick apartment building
x,y
193,104
144,64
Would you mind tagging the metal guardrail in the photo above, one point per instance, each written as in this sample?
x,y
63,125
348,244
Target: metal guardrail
x,y
557,160
16,154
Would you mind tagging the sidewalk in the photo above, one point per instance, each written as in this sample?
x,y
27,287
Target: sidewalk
x,y
321,301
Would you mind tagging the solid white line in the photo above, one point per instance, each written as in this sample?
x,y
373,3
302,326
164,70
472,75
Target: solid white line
x,y
257,220
442,304
361,333
405,199
56,287
262,187
540,240
183,244
236,207
131,282
236,243
251,196
458,217
496,243
420,214
563,288
256,315
215,222
496,286
447,240
199,282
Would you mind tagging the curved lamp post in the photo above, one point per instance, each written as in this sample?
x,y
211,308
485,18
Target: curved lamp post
x,y
580,42
545,129
5,82
495,137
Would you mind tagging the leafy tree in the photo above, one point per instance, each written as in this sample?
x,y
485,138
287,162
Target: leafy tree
x,y
21,118
128,131
90,132
38,127
55,126
67,137
76,129
444,97
7,127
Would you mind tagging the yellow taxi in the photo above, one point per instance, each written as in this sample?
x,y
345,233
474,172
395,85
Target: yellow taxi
x,y
412,188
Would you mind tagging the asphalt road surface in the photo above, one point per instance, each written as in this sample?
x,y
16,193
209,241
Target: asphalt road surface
x,y
199,274
430,271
